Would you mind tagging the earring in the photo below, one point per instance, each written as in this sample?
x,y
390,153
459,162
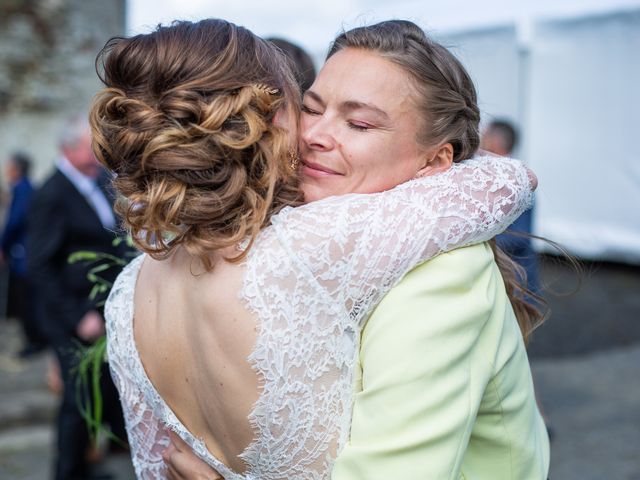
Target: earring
x,y
294,158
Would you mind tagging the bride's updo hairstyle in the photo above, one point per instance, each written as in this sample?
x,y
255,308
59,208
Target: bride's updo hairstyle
x,y
185,123
445,96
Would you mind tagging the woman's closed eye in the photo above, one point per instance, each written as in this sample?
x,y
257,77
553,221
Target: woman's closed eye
x,y
308,110
359,125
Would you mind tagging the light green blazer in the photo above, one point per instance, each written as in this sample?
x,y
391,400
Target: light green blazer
x,y
445,390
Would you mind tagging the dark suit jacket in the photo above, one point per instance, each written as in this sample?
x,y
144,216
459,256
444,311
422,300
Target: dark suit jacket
x,y
61,222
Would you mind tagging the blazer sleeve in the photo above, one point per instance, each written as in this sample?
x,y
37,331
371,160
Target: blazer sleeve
x,y
420,394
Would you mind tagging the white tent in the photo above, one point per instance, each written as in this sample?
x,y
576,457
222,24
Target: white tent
x,y
573,87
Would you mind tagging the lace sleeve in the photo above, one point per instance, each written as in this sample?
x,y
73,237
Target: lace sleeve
x,y
147,434
148,437
358,246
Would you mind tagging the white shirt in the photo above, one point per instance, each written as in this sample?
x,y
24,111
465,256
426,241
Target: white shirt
x,y
89,189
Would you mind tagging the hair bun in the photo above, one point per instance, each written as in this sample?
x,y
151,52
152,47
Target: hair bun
x,y
191,135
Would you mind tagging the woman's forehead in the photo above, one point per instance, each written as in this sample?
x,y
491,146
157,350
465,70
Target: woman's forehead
x,y
358,76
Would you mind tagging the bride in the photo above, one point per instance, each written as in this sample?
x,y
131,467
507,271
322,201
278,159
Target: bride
x,y
239,327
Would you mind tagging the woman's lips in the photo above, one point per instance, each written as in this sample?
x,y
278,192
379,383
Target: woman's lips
x,y
315,170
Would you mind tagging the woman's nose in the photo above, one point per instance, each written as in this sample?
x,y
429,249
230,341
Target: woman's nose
x,y
316,134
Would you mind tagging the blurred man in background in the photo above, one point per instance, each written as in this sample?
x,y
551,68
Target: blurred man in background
x,y
501,137
14,250
72,212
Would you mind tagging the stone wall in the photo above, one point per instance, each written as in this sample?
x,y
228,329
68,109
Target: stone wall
x,y
47,55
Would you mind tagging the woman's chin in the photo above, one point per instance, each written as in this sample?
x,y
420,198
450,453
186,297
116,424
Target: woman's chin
x,y
313,192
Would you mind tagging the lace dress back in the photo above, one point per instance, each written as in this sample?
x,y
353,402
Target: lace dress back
x,y
311,280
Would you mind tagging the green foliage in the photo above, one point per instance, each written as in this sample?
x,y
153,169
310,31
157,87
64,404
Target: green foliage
x,y
92,358
103,262
88,394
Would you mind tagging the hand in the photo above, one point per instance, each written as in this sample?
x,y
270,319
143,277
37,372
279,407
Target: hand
x,y
532,176
533,179
91,327
183,464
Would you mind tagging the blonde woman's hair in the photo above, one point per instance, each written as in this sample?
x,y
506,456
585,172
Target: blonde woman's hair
x,y
185,123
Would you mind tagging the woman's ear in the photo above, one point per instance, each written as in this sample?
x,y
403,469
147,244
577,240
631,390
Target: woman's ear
x,y
437,160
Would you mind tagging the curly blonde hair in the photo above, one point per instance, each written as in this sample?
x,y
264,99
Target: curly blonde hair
x,y
186,125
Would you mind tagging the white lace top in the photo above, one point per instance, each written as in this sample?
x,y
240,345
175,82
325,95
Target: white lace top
x,y
311,280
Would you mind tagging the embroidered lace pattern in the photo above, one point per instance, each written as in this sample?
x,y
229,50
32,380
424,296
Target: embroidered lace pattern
x,y
311,279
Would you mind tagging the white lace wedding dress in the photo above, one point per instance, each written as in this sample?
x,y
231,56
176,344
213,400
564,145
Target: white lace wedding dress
x,y
311,280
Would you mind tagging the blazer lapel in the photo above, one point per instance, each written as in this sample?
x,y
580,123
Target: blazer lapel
x,y
80,201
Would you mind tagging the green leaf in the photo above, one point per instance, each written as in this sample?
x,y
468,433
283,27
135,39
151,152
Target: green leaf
x,y
82,256
91,274
94,292
88,373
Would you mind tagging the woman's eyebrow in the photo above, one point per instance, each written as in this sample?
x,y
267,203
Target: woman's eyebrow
x,y
314,96
349,105
356,105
